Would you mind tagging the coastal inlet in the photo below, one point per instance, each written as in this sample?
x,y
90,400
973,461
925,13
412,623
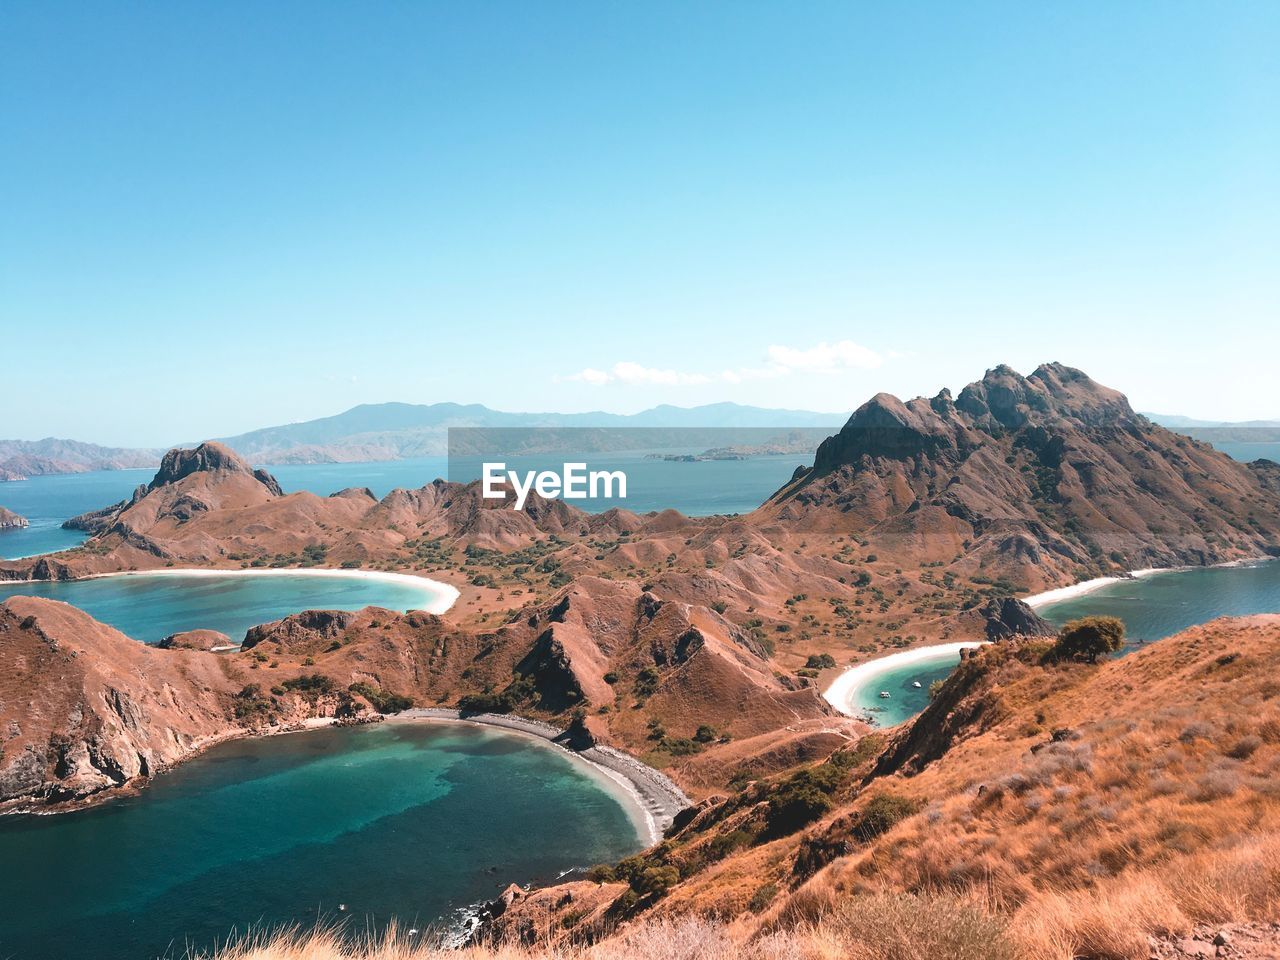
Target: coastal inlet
x,y
412,820
1153,606
153,605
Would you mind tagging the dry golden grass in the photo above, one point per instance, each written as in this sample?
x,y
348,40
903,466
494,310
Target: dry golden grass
x,y
1110,921
888,927
1113,920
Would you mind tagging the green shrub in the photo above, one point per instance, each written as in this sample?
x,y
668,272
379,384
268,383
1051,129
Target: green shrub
x,y
647,682
381,700
1089,638
802,798
309,683
762,898
881,813
655,881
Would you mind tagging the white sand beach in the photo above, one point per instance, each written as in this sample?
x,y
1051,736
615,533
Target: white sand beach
x,y
437,597
844,690
1088,586
650,798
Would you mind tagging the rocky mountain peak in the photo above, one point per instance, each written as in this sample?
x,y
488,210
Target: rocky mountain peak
x,y
208,457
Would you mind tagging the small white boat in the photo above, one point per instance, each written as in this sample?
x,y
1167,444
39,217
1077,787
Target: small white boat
x,y
884,694
916,684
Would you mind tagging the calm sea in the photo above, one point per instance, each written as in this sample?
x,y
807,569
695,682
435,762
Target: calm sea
x,y
407,820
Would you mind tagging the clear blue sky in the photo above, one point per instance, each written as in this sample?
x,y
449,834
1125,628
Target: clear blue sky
x,y
218,216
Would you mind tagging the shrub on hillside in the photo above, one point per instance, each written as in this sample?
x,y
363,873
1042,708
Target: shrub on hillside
x,y
802,798
381,700
1089,638
881,814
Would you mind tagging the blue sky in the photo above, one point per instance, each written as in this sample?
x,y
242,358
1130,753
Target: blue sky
x,y
218,216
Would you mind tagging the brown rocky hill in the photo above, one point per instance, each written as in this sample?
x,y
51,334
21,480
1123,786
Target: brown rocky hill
x,y
644,673
701,643
1087,807
207,506
1040,478
84,708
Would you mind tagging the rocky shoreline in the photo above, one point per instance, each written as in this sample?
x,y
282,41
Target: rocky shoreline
x,y
657,795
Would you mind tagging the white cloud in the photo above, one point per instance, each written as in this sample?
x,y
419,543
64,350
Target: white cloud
x,y
591,375
634,373
826,357
780,361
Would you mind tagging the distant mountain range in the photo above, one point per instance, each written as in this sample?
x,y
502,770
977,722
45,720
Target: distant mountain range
x,y
1220,431
398,431
33,458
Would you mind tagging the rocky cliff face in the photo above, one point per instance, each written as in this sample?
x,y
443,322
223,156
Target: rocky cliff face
x,y
84,708
10,520
1044,477
210,457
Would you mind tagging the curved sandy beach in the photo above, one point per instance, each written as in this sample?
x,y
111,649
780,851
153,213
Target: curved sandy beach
x,y
844,690
437,597
650,798
1088,586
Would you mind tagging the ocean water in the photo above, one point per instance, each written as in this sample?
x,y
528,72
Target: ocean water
x,y
1159,606
905,700
47,501
407,820
1152,608
150,607
1248,450
696,489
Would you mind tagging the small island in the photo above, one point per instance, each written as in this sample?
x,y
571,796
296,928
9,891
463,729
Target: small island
x,y
10,520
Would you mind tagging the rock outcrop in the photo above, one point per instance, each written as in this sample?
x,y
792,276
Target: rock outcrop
x,y
10,520
1009,617
84,708
197,640
210,457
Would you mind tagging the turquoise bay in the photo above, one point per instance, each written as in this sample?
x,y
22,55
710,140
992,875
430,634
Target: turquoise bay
x,y
1152,607
1159,605
412,820
149,607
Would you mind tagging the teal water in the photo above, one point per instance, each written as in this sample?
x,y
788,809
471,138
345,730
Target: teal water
x,y
406,820
149,608
1152,608
905,700
1247,450
47,501
1159,606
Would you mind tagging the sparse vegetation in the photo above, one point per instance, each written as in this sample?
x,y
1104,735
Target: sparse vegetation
x,y
381,700
1089,638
